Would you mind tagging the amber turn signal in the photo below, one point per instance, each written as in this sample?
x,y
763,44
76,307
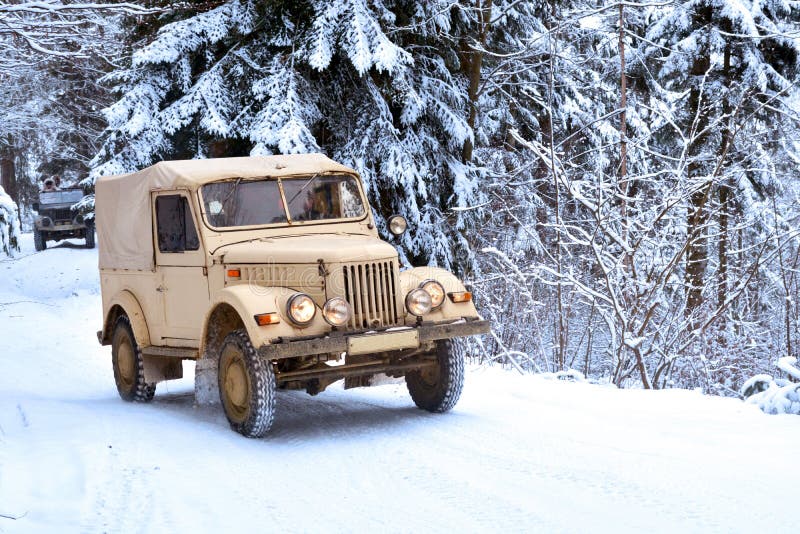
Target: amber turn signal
x,y
264,319
234,274
460,296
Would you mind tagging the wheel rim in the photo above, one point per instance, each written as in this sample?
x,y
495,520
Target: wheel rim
x,y
430,375
126,362
235,384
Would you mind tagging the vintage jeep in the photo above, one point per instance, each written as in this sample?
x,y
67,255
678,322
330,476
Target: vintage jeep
x,y
57,220
269,272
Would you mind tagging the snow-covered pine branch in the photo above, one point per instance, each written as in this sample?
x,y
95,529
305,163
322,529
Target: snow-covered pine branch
x,y
9,224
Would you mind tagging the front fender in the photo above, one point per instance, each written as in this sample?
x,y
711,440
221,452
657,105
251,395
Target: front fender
x,y
412,278
249,301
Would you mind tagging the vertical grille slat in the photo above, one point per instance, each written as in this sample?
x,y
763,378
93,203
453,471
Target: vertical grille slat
x,y
373,292
360,297
388,274
381,296
370,288
393,292
355,299
365,294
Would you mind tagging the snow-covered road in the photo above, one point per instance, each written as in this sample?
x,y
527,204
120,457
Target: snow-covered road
x,y
517,453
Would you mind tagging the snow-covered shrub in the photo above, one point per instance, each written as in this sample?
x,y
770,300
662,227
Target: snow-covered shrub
x,y
778,398
85,207
9,224
570,375
775,395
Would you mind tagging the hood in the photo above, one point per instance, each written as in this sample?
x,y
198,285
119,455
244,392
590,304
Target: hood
x,y
332,248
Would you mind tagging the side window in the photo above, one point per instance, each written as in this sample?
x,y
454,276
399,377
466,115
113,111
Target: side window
x,y
174,224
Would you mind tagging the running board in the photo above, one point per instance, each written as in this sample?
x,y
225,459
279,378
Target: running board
x,y
171,352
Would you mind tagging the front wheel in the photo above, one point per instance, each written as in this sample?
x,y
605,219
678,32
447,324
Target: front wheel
x,y
246,386
39,242
437,388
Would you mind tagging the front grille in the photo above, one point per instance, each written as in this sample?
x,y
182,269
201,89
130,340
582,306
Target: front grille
x,y
60,215
371,290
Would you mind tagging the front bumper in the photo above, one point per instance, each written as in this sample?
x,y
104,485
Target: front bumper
x,y
336,342
55,228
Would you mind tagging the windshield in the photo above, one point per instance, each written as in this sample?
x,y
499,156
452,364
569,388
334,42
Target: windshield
x,y
67,196
259,202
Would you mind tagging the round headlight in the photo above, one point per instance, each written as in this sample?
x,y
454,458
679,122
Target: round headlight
x,y
301,309
435,290
79,219
397,224
418,302
337,311
46,221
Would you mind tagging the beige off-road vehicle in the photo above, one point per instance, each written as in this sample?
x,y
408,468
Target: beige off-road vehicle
x,y
268,271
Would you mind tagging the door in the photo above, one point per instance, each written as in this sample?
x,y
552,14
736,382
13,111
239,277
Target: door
x,y
181,268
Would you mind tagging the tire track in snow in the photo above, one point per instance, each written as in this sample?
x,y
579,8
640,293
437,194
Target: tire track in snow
x,y
121,496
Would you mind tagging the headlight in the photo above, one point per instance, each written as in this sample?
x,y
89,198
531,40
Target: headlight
x,y
301,309
79,219
435,290
46,221
397,224
337,311
418,302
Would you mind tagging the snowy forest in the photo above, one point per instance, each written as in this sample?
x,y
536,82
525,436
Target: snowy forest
x,y
618,181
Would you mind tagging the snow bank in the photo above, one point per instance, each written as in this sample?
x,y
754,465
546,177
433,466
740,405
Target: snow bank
x,y
9,224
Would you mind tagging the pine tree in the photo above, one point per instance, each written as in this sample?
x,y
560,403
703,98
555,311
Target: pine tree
x,y
377,85
732,65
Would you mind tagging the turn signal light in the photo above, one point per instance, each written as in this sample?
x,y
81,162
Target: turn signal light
x,y
234,274
264,319
460,296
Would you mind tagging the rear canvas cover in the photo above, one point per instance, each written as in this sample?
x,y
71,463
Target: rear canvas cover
x,y
122,203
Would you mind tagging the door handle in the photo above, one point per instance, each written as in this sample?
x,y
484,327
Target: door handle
x,y
161,289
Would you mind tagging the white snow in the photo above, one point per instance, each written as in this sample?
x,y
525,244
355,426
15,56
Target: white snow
x,y
518,453
9,224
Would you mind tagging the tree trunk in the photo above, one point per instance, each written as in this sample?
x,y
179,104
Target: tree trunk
x,y
623,140
697,212
722,252
474,65
697,253
724,196
8,177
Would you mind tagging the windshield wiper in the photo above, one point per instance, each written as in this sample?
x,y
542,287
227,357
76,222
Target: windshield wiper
x,y
305,185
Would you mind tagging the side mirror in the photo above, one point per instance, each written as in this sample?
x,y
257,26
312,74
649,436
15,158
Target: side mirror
x,y
397,225
35,206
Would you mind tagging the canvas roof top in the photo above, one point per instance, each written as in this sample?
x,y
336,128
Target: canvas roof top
x,y
192,173
122,203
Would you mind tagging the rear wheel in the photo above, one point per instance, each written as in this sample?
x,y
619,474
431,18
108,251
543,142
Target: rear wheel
x,y
39,242
246,386
437,388
129,364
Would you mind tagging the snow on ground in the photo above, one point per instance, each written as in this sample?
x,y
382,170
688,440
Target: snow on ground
x,y
518,453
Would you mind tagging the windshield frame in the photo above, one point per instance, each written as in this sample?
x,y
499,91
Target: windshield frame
x,y
289,223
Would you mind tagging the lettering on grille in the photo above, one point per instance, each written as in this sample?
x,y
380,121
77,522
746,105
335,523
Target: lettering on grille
x,y
371,290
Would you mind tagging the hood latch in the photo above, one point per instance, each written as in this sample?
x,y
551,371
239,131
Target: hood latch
x,y
323,272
